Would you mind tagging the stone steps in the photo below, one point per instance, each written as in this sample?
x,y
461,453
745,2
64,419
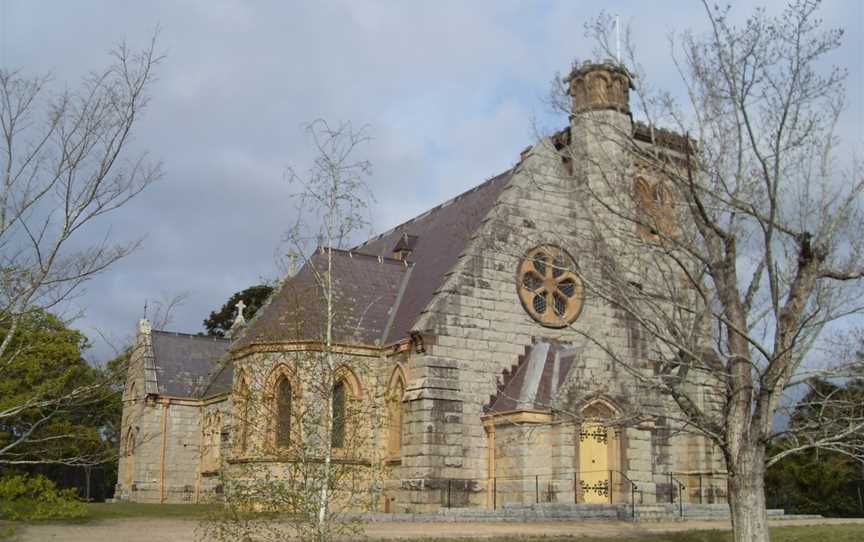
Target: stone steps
x,y
656,512
569,512
536,512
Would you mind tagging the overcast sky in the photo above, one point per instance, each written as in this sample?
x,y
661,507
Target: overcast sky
x,y
449,91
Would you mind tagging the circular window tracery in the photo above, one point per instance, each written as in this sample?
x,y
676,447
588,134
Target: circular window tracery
x,y
548,287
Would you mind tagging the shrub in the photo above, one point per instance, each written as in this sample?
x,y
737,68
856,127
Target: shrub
x,y
25,498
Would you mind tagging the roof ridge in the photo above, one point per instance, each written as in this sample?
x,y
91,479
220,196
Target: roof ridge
x,y
190,335
438,207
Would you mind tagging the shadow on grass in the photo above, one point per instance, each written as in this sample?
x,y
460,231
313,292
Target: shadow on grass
x,y
102,511
809,533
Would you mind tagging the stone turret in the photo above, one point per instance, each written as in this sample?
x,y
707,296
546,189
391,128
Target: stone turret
x,y
600,86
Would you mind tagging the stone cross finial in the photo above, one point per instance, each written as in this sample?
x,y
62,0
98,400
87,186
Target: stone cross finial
x,y
292,263
144,326
239,319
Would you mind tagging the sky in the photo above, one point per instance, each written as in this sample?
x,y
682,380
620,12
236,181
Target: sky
x,y
450,93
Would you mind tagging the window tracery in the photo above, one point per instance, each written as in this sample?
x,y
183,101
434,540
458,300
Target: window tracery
x,y
657,205
548,287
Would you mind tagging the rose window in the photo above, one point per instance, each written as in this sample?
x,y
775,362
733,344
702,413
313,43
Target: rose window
x,y
549,288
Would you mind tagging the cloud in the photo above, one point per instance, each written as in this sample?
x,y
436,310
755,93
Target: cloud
x,y
449,90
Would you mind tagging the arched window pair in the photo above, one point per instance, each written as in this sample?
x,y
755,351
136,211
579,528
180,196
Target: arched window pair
x,y
284,401
283,413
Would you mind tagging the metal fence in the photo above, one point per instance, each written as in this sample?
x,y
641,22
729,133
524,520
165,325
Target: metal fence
x,y
575,487
698,487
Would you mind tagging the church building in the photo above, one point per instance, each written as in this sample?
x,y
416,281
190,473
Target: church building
x,y
474,324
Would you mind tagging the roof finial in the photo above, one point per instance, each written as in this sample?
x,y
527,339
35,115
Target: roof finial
x,y
144,327
292,263
239,319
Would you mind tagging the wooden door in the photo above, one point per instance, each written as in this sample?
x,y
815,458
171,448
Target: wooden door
x,y
594,463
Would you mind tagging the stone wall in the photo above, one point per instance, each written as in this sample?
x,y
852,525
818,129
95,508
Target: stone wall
x,y
367,375
210,483
167,457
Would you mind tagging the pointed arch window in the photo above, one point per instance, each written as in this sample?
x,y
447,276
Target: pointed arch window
x,y
243,415
339,399
130,456
394,433
284,403
657,208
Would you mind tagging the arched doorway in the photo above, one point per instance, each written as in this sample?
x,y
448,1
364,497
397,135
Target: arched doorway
x,y
599,456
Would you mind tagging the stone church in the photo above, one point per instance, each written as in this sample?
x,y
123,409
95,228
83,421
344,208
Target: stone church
x,y
475,319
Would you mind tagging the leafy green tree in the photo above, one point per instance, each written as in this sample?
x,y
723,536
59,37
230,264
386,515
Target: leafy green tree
x,y
815,482
57,408
219,322
825,481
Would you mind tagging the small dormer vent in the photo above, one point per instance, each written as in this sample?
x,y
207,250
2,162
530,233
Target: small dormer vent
x,y
405,246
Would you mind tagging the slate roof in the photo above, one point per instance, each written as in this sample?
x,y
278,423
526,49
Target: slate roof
x,y
366,288
534,381
439,236
378,298
221,380
183,363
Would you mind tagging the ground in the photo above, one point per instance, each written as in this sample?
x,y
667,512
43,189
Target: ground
x,y
166,523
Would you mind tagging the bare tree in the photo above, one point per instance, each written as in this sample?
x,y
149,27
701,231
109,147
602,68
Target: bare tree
x,y
315,409
733,241
64,167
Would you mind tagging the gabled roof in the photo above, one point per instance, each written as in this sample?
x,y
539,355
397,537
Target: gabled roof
x,y
365,290
377,298
182,363
439,237
535,380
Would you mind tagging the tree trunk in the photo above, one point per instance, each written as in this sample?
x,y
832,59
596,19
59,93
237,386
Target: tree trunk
x,y
747,497
87,469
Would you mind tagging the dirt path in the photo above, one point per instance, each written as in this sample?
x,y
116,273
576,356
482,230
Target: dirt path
x,y
174,530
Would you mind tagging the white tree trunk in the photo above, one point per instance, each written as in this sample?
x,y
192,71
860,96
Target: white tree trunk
x,y
747,497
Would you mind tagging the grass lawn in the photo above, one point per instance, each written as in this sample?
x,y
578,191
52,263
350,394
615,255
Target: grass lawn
x,y
810,533
120,510
838,532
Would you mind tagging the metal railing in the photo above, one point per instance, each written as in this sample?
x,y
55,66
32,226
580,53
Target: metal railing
x,y
673,484
579,487
703,487
606,486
